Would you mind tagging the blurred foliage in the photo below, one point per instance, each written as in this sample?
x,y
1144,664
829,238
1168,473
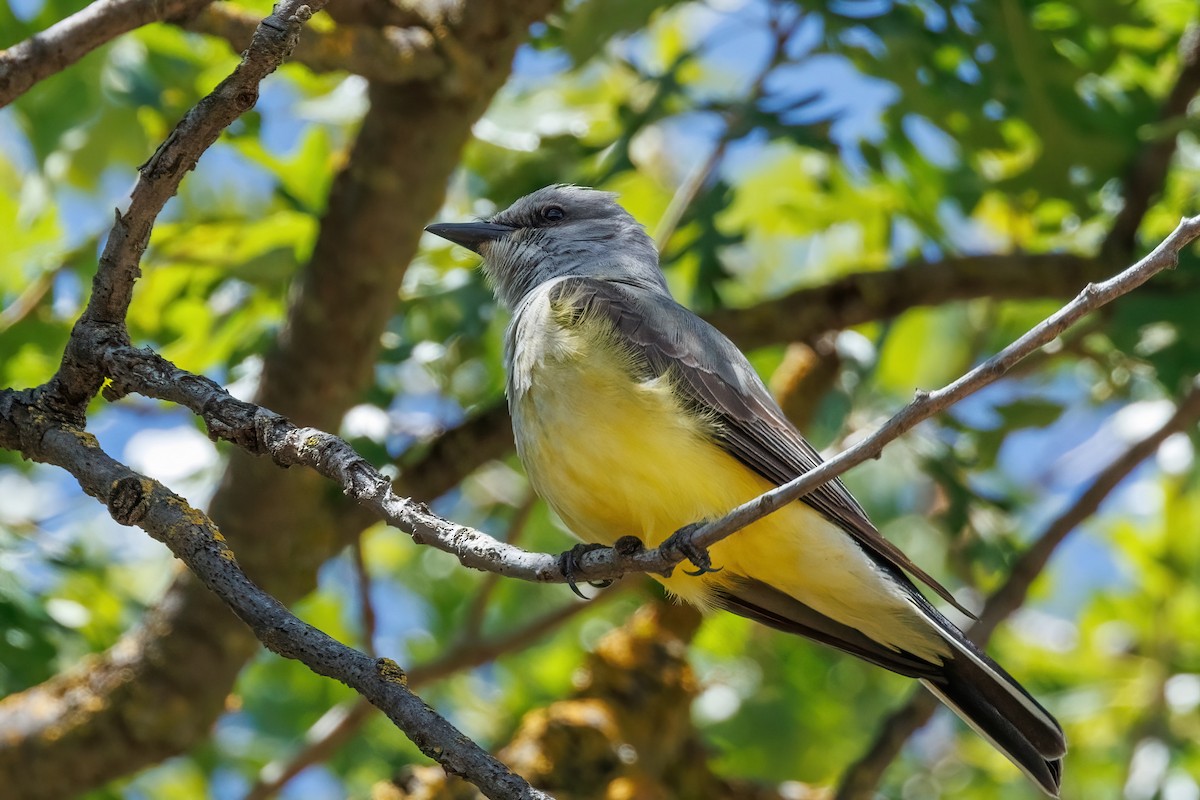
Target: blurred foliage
x,y
844,137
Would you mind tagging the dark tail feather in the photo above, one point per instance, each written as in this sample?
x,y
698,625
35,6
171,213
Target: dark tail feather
x,y
971,684
999,709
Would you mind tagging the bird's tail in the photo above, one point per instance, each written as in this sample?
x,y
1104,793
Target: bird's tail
x,y
989,700
971,684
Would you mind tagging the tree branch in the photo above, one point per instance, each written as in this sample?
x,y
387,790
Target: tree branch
x,y
1145,176
441,108
862,778
133,499
926,404
868,296
78,379
689,190
126,707
477,605
366,609
338,725
65,42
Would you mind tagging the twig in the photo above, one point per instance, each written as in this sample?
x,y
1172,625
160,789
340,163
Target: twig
x,y
326,736
695,180
473,618
861,778
67,41
366,610
687,192
29,298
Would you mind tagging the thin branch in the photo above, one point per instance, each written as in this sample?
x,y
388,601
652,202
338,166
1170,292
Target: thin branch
x,y
472,625
1009,597
338,725
366,609
470,654
78,380
67,41
801,316
321,741
28,299
804,377
926,404
850,300
689,190
1145,176
861,779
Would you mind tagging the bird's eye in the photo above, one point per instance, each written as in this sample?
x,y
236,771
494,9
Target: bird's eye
x,y
553,214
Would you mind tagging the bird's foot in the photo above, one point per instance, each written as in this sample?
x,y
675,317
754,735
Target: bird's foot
x,y
570,562
628,546
681,542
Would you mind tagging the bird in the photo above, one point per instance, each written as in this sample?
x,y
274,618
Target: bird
x,y
633,416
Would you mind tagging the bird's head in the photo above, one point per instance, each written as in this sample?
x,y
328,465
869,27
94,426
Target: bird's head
x,y
555,232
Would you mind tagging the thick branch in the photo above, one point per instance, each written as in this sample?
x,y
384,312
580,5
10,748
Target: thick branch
x,y
381,13
868,296
862,778
65,42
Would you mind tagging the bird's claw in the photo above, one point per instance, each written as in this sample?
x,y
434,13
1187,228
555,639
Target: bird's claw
x,y
681,542
570,561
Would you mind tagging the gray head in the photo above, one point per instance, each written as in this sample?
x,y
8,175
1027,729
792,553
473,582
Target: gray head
x,y
558,231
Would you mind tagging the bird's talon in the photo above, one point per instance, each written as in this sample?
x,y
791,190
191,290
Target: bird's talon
x,y
569,562
681,542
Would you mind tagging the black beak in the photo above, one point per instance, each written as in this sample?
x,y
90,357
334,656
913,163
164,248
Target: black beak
x,y
470,235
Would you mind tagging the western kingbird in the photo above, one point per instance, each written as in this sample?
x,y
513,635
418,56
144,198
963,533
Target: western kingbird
x,y
634,416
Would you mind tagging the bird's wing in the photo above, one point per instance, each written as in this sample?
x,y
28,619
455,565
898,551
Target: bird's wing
x,y
717,380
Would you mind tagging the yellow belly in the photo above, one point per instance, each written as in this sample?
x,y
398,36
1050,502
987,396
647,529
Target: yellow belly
x,y
615,457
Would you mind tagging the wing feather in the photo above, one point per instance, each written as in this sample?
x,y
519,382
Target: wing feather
x,y
716,379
